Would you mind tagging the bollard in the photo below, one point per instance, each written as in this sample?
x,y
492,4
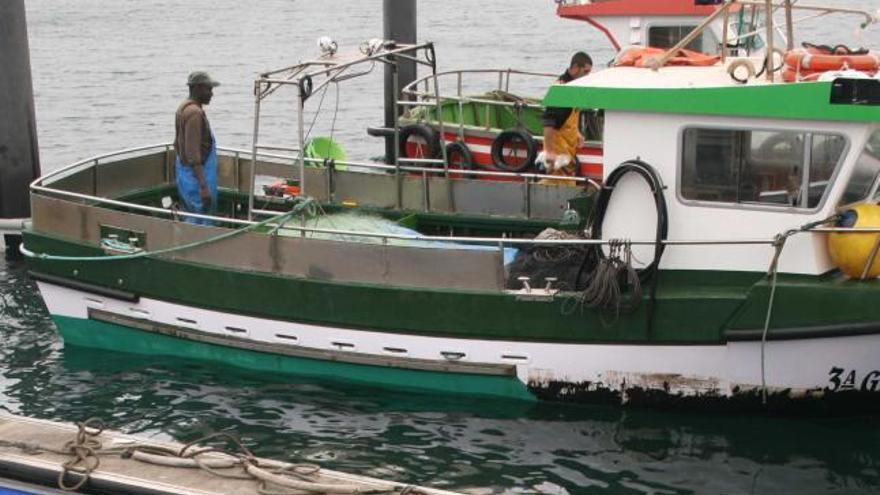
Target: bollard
x,y
19,157
399,23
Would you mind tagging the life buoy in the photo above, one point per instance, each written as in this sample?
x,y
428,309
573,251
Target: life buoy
x,y
793,75
459,157
646,57
813,59
514,150
418,141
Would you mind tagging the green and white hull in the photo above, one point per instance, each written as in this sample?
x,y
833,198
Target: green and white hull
x,y
714,180
795,369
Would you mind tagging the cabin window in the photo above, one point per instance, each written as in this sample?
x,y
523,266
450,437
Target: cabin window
x,y
669,36
864,180
773,168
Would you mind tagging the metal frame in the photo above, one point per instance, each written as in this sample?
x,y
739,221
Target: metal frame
x,y
312,76
769,7
429,97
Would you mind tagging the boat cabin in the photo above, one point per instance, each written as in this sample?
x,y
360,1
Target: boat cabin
x,y
737,161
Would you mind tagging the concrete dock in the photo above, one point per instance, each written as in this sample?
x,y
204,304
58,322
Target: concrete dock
x,y
98,462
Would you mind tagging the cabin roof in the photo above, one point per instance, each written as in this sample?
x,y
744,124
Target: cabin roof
x,y
604,8
706,91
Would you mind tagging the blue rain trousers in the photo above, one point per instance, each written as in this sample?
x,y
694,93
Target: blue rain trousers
x,y
188,186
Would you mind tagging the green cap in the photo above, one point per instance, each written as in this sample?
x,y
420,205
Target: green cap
x,y
201,77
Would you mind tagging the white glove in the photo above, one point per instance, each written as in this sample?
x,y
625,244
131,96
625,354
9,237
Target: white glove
x,y
561,162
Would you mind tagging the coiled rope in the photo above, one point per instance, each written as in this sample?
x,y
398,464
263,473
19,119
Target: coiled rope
x,y
273,477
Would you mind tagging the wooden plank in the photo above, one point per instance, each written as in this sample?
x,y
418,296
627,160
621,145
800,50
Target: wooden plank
x,y
30,451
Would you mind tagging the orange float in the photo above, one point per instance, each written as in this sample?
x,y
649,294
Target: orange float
x,y
814,59
807,64
792,75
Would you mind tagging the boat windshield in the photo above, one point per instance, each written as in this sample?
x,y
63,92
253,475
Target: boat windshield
x,y
865,179
669,35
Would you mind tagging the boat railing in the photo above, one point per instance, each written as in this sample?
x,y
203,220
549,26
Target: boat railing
x,y
425,92
94,179
422,89
768,8
44,185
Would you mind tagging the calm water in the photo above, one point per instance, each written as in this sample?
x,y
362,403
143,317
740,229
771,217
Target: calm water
x,y
108,75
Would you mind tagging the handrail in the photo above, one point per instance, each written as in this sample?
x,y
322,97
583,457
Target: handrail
x,y
37,186
97,160
407,89
769,7
94,159
494,241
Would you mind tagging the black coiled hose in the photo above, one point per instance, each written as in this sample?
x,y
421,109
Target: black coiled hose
x,y
650,273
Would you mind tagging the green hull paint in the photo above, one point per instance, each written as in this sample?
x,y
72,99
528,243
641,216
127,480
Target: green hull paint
x,y
485,116
110,337
692,307
802,101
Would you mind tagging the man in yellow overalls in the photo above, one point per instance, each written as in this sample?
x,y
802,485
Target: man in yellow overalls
x,y
562,135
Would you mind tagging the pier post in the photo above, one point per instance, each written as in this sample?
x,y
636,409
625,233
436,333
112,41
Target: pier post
x,y
399,24
19,158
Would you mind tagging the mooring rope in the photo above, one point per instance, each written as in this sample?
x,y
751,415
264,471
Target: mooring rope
x,y
303,205
772,274
272,477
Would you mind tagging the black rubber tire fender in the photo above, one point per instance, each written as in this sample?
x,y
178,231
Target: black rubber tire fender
x,y
426,133
511,136
461,149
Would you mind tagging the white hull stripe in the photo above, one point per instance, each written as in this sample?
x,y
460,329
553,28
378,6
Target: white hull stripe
x,y
800,365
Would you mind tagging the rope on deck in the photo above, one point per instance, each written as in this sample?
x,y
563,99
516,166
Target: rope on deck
x,y
273,477
304,205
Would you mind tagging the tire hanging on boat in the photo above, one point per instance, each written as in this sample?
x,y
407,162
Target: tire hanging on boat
x,y
519,140
458,155
430,141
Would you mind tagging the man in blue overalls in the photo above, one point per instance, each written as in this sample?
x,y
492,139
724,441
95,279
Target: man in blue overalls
x,y
196,163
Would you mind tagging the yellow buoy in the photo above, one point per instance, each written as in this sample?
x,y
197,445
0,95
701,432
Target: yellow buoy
x,y
851,252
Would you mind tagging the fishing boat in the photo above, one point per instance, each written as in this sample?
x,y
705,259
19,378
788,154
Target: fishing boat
x,y
492,118
728,259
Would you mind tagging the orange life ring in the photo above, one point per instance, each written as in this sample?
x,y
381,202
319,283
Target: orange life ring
x,y
792,75
643,57
820,60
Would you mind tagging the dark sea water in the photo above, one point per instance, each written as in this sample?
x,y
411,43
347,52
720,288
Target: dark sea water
x,y
108,75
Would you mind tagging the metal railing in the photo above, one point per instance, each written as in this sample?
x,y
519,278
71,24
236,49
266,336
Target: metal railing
x,y
430,95
40,186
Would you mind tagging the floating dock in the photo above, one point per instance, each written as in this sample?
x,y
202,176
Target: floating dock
x,y
87,459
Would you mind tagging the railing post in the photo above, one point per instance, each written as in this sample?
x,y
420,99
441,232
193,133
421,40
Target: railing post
x,y
236,171
395,152
426,203
769,22
258,89
95,177
528,196
501,271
